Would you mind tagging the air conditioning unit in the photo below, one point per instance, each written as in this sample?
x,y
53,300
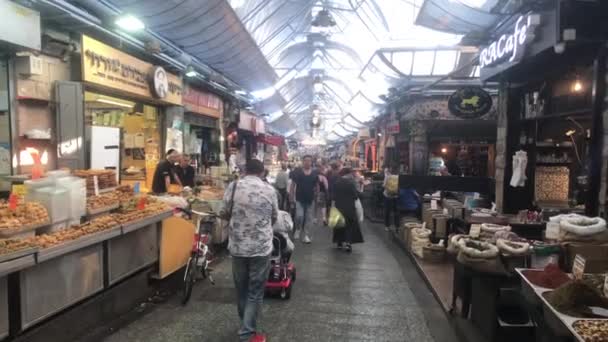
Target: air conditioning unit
x,y
30,65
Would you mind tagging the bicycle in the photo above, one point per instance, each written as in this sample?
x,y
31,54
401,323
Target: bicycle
x,y
201,255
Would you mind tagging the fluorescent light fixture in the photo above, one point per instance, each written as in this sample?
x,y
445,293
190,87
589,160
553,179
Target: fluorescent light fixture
x,y
115,103
263,94
130,23
190,72
240,92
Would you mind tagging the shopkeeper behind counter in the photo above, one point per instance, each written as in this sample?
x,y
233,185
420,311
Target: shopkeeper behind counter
x,y
185,171
164,175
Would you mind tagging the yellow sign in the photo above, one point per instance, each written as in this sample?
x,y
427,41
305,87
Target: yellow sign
x,y
19,190
109,67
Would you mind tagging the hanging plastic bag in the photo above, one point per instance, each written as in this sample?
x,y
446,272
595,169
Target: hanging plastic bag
x,y
359,207
336,219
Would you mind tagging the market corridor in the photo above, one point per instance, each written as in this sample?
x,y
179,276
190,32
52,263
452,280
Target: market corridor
x,y
375,294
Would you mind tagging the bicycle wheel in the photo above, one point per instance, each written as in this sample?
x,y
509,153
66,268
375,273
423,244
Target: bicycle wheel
x,y
189,279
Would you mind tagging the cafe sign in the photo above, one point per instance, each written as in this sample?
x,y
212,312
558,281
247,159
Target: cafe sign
x,y
470,103
511,47
111,68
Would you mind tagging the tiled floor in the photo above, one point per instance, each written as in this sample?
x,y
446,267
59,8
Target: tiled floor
x,y
373,294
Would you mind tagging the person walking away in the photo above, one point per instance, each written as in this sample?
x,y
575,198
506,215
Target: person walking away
x,y
164,174
304,184
322,199
185,171
281,184
332,176
252,206
391,197
345,194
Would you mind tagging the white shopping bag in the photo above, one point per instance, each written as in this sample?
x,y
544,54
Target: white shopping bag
x,y
359,207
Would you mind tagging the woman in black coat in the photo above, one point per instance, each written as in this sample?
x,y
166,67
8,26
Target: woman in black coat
x,y
344,196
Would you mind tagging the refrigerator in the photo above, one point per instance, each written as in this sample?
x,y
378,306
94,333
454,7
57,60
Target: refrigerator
x,y
105,149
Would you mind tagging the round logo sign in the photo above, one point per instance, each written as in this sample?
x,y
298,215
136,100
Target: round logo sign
x,y
160,83
470,103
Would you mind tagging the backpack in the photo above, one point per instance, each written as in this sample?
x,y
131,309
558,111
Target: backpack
x,y
392,185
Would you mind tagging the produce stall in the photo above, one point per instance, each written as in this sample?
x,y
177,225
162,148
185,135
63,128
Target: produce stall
x,y
118,233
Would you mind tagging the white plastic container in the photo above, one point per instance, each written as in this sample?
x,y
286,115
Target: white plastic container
x,y
57,174
77,189
56,201
33,185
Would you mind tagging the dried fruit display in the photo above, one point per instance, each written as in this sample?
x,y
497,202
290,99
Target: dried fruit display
x,y
592,330
105,179
94,226
8,246
115,197
131,213
26,214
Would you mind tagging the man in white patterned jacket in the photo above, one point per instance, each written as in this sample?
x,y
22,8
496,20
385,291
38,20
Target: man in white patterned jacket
x,y
254,209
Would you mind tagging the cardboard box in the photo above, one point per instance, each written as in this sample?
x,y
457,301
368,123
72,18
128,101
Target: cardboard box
x,y
596,256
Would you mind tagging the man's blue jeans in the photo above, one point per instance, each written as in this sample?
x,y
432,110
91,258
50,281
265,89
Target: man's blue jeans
x,y
250,275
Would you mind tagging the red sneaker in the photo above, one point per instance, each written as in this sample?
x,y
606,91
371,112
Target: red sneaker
x,y
258,338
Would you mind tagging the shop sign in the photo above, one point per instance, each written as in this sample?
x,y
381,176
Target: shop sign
x,y
200,102
511,47
112,68
470,103
393,127
248,122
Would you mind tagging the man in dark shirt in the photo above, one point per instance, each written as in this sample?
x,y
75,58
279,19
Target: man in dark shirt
x,y
185,171
304,185
164,174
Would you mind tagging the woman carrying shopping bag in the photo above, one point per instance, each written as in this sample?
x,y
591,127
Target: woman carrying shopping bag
x,y
345,195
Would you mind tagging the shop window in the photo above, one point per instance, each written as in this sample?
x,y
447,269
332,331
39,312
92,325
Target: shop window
x,y
139,137
5,130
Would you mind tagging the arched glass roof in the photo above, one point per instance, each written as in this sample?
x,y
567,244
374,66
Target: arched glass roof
x,y
341,70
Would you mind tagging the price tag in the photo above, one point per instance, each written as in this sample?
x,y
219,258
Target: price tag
x,y
13,200
141,203
578,267
96,185
433,204
606,286
19,190
475,230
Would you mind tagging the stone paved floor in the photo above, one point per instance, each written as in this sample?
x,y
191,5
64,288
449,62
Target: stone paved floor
x,y
373,294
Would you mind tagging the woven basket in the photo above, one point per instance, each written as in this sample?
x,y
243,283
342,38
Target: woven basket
x,y
433,253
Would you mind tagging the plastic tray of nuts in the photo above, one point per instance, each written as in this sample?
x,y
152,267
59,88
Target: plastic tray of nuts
x,y
10,232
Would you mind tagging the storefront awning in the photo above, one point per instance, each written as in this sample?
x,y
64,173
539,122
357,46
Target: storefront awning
x,y
273,140
454,17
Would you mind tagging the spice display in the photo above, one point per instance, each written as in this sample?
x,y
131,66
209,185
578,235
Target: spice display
x,y
8,246
592,330
574,299
513,247
477,249
26,214
583,226
94,226
595,280
551,277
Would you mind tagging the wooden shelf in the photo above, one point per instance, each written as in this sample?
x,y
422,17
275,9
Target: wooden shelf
x,y
572,114
555,164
